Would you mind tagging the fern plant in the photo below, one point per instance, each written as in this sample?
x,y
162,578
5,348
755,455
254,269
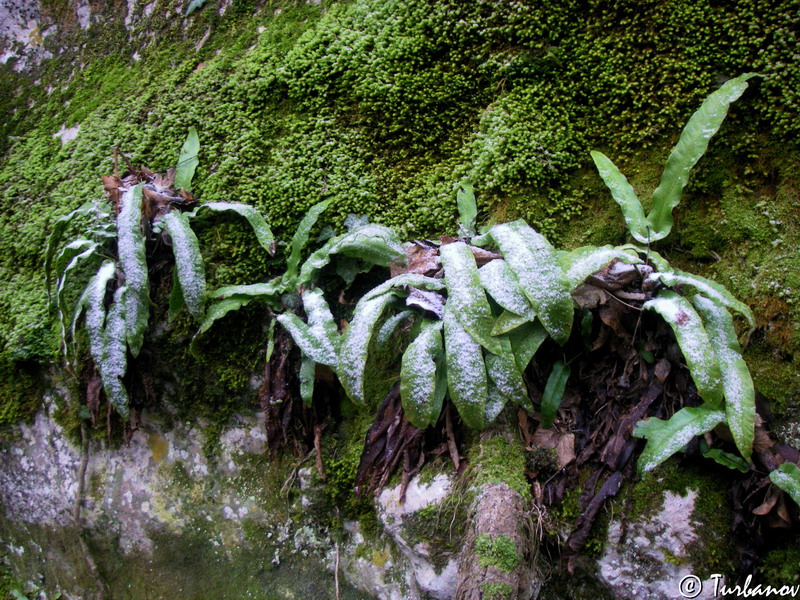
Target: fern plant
x,y
116,298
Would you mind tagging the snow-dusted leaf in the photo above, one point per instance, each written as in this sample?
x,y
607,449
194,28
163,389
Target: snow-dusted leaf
x,y
260,227
300,239
706,287
176,302
533,261
465,295
188,262
306,375
194,5
132,258
505,377
525,341
467,207
737,385
554,392
373,244
623,194
694,343
354,346
691,146
665,438
390,326
432,302
268,290
466,372
649,255
113,360
96,309
59,227
187,161
508,321
501,283
318,339
76,252
410,280
418,382
578,264
787,477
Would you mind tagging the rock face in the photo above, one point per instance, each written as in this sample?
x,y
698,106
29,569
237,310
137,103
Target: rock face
x,y
654,557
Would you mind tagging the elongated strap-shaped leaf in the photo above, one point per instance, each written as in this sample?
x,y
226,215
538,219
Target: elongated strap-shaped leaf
x,y
695,345
77,254
726,459
113,360
525,341
59,227
374,244
355,341
665,438
96,310
132,258
554,392
418,382
300,239
740,397
578,264
467,207
267,290
318,339
706,287
466,372
623,194
65,259
501,283
390,326
505,377
508,321
188,262
465,294
407,280
691,146
175,301
308,369
649,255
218,309
187,161
260,227
787,477
533,261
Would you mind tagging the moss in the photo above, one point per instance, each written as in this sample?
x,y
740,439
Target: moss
x,y
497,591
780,566
441,527
21,390
498,460
499,552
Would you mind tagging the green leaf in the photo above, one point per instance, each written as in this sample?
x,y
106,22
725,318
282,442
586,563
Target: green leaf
x,y
374,244
354,346
187,161
188,262
421,396
467,207
114,357
132,258
650,256
75,252
691,146
505,378
59,227
665,438
94,300
319,338
300,239
623,194
525,341
390,326
465,294
176,302
737,385
501,283
260,227
308,369
787,477
554,392
726,459
193,6
267,291
508,321
706,287
694,343
533,261
466,372
578,264
220,308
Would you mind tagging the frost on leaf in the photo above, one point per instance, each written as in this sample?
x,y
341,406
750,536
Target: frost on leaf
x,y
502,285
466,372
421,396
132,258
694,343
533,261
318,339
578,264
188,262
